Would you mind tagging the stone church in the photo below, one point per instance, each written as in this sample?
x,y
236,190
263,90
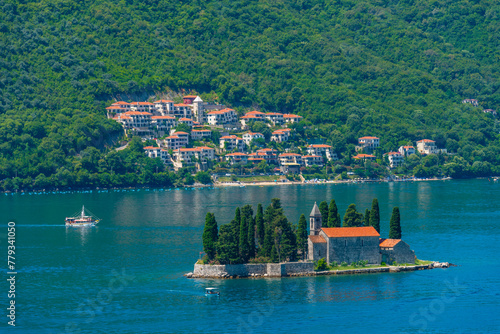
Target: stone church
x,y
352,244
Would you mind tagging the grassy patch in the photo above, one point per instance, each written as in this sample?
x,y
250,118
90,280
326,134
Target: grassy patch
x,y
422,262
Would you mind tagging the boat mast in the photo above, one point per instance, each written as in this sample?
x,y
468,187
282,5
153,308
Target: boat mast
x,y
83,211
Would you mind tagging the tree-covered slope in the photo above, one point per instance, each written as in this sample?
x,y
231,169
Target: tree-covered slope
x,y
395,69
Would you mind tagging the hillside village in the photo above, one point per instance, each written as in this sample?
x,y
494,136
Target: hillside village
x,y
203,135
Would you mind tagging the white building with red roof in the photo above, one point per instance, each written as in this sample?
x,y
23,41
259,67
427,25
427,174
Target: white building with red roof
x,y
236,157
290,158
369,143
427,146
142,106
163,124
199,134
222,117
322,149
275,118
281,135
396,159
157,152
187,156
312,160
183,110
362,156
232,142
406,150
164,107
291,118
249,136
187,121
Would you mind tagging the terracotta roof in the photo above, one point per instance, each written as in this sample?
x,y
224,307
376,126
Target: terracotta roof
x,y
185,119
291,116
180,133
273,114
317,239
369,137
319,146
393,153
388,242
236,154
181,105
137,113
363,156
246,116
120,102
310,156
408,147
151,148
289,155
162,117
426,141
172,137
229,137
191,96
350,232
115,107
253,133
202,130
163,101
142,103
255,159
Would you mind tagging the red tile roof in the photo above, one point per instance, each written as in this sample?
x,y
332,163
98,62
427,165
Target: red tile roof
x,y
291,116
142,103
163,101
393,153
369,137
236,154
426,141
388,242
245,117
186,119
363,156
137,113
162,117
317,239
181,105
350,232
190,96
319,146
151,148
289,155
180,133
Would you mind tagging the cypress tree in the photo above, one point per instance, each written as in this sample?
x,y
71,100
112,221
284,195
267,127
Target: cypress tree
x,y
367,217
323,208
244,247
259,222
352,218
227,246
375,215
395,224
302,236
235,224
210,235
251,235
269,231
333,215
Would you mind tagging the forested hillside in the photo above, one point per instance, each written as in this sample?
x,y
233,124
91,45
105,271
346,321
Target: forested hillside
x,y
394,69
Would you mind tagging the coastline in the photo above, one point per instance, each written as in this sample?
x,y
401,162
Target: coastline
x,y
268,270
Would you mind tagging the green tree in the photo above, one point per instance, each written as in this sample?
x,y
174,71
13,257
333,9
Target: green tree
x,y
323,208
251,237
375,215
367,218
352,218
227,246
259,222
333,215
203,177
210,236
244,246
302,237
395,224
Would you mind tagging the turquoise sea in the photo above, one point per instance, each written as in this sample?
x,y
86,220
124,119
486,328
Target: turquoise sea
x,y
126,274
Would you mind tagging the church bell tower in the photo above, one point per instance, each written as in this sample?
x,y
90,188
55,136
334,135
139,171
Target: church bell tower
x,y
315,221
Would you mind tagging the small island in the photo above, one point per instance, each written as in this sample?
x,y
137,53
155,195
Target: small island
x,y
269,245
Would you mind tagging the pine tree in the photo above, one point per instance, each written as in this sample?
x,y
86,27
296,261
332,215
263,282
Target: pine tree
x,y
395,224
367,217
259,222
210,236
333,215
375,215
302,236
352,218
323,208
227,246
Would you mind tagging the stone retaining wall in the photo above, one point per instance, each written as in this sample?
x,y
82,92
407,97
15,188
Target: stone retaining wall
x,y
291,269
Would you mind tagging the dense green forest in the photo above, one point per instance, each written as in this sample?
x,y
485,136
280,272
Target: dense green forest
x,y
394,69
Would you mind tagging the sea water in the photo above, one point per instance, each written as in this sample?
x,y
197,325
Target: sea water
x,y
126,274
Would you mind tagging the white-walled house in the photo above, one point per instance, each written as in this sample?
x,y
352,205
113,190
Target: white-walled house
x,y
237,157
406,150
369,143
320,149
232,143
281,135
427,146
396,159
249,136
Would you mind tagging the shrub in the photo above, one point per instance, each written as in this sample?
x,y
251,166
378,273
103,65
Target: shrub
x,y
344,264
383,264
321,264
363,263
260,259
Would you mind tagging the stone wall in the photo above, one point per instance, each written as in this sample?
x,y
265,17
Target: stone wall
x,y
401,253
354,249
246,270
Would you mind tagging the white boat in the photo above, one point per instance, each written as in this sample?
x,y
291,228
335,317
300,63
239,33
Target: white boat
x,y
212,291
82,219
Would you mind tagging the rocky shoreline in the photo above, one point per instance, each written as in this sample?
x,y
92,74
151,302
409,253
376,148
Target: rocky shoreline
x,y
223,273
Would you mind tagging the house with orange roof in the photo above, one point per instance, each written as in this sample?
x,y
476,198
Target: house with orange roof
x,y
353,244
249,136
200,134
362,156
163,124
245,120
157,152
395,159
232,142
427,146
137,122
200,156
164,107
312,160
236,157
290,158
268,154
322,149
281,135
187,121
368,143
142,106
183,110
222,117
406,150
275,118
291,118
